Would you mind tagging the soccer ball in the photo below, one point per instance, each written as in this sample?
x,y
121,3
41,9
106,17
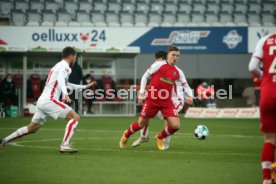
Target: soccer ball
x,y
201,132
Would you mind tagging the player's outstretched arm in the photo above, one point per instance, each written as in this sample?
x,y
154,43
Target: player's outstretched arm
x,y
87,86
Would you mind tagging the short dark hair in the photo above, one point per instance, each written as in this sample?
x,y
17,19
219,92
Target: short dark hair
x,y
173,48
68,51
161,54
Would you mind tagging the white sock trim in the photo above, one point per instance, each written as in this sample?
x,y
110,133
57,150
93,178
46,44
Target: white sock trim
x,y
266,164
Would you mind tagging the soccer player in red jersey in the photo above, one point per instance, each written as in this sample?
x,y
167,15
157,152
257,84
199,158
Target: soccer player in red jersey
x,y
162,74
266,52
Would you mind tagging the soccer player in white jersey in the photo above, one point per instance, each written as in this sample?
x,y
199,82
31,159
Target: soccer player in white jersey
x,y
48,103
178,100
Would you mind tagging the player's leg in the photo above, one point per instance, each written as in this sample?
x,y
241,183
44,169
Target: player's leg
x,y
268,127
72,118
23,131
144,136
57,109
148,111
167,139
170,129
37,121
268,155
134,127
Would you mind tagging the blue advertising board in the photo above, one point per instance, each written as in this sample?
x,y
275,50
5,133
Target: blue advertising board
x,y
195,39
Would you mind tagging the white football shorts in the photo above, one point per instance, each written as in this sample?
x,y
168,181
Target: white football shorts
x,y
53,108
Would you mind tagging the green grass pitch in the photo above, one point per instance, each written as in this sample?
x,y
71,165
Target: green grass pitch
x,y
230,155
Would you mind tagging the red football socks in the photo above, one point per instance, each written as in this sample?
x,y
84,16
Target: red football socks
x,y
166,132
267,159
134,127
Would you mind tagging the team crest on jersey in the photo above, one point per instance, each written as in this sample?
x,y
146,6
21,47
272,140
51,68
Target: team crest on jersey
x,y
232,39
174,73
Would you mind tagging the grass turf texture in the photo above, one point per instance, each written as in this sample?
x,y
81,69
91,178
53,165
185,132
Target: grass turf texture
x,y
231,154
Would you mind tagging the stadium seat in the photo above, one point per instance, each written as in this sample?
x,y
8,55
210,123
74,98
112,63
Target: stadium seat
x,y
51,5
5,7
18,18
36,5
21,5
100,6
241,1
71,7
212,19
126,19
35,86
170,7
142,7
18,80
253,7
197,7
253,19
213,2
128,7
269,7
98,18
34,18
182,19
63,18
157,8
114,6
169,19
268,19
227,7
141,19
112,19
48,18
185,1
240,19
197,18
85,5
171,1
185,8
213,7
154,19
241,8
84,18
226,18
59,2
203,2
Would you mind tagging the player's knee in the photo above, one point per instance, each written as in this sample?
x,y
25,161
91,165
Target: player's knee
x,y
32,128
176,127
77,117
270,138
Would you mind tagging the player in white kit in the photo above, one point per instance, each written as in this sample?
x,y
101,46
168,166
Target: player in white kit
x,y
48,103
178,101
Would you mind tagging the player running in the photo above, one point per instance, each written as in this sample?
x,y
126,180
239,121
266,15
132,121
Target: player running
x,y
266,52
178,101
163,75
48,103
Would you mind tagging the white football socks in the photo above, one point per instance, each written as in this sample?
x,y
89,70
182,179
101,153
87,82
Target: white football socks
x,y
17,134
69,131
144,132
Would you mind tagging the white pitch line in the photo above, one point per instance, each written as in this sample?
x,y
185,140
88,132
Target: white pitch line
x,y
19,144
118,131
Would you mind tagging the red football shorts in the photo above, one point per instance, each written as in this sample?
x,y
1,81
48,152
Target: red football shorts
x,y
268,113
150,109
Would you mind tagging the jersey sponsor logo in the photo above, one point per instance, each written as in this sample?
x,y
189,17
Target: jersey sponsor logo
x,y
181,37
166,80
232,39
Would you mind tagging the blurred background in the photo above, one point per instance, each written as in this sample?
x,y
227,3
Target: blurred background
x,y
116,41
